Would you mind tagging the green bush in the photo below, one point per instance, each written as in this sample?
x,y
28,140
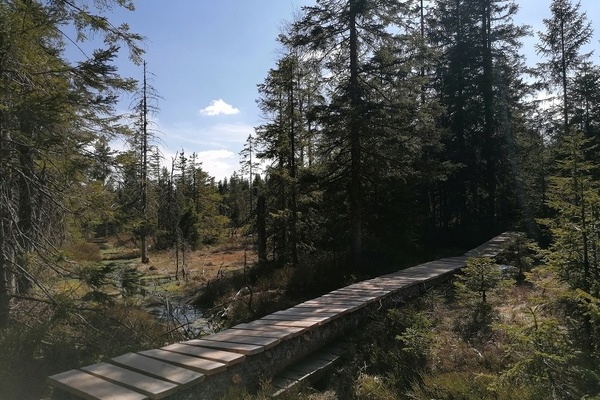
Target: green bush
x,y
45,339
467,386
474,285
370,387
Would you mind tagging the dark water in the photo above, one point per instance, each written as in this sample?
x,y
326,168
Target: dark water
x,y
187,318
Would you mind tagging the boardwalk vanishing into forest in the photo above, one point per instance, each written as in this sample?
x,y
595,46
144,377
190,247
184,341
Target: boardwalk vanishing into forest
x,y
249,353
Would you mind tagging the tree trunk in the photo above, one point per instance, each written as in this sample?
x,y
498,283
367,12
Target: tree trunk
x,y
144,174
261,217
488,99
355,144
292,172
564,82
5,277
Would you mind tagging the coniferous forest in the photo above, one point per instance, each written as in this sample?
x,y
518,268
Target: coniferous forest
x,y
394,132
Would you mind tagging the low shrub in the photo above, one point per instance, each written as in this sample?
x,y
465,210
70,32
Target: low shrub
x,y
83,252
466,386
45,339
369,387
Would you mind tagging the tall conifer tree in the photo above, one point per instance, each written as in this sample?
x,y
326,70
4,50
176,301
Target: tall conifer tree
x,y
567,31
52,110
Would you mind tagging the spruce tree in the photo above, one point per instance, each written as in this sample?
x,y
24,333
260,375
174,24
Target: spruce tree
x,y
567,31
362,123
480,85
53,110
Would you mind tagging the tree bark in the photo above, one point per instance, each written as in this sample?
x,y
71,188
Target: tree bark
x,y
488,100
144,173
261,217
293,169
355,144
5,289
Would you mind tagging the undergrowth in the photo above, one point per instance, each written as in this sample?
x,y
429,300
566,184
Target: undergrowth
x,y
44,340
527,346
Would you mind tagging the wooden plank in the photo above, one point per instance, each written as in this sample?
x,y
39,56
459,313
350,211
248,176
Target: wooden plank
x,y
288,317
91,387
294,375
290,331
297,323
282,384
329,357
309,369
201,365
379,285
245,349
400,280
233,337
333,301
355,291
261,334
181,376
353,294
367,288
329,300
151,387
226,357
307,313
334,312
366,299
317,311
312,366
385,284
343,308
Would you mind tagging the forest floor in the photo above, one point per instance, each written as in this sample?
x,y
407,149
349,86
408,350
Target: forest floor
x,y
196,268
204,265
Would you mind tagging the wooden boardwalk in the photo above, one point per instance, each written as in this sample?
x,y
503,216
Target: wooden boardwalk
x,y
242,355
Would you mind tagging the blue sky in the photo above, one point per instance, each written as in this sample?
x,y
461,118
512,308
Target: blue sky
x,y
208,56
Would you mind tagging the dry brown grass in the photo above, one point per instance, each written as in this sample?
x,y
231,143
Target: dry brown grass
x,y
201,266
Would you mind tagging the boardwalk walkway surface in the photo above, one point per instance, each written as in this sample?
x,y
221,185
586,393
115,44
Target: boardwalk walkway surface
x,y
246,353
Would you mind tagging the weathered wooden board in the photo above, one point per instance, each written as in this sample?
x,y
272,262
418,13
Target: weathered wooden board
x,y
320,311
360,292
333,301
152,387
288,316
202,365
385,283
260,334
371,288
379,285
313,366
293,375
226,357
309,369
290,331
356,293
296,323
236,337
245,349
91,387
364,298
160,369
297,374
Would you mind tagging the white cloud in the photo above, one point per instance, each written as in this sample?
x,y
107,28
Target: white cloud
x,y
218,136
216,145
219,163
219,107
